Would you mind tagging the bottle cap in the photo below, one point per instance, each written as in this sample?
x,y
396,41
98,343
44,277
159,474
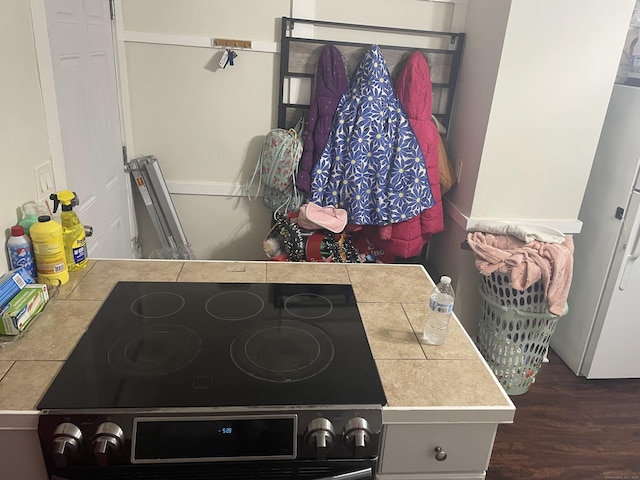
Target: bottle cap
x,y
44,218
17,231
445,279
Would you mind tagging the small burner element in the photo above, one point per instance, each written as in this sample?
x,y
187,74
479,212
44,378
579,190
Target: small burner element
x,y
308,305
157,305
282,351
234,305
154,350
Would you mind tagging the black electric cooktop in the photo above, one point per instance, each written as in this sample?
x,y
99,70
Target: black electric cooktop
x,y
172,345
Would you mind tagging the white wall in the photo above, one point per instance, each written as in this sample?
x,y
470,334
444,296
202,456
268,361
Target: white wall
x,y
205,124
23,133
474,94
411,14
533,91
555,78
534,87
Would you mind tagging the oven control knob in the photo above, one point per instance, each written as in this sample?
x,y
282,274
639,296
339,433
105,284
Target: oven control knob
x,y
66,443
320,436
357,435
107,442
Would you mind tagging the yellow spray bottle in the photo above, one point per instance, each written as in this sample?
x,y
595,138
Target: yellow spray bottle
x,y
73,233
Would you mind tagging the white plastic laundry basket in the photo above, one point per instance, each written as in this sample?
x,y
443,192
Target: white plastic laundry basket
x,y
497,286
513,342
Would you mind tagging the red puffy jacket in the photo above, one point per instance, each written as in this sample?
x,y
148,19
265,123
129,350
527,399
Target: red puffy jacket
x,y
406,239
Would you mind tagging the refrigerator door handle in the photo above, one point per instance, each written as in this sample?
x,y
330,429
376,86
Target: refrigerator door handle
x,y
629,261
635,253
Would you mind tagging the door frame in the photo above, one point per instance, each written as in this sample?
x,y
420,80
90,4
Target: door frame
x,y
50,102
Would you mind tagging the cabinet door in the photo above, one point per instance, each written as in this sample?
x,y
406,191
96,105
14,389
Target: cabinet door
x,y
412,448
21,456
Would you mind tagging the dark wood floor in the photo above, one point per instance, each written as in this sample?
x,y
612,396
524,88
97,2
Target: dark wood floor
x,y
570,428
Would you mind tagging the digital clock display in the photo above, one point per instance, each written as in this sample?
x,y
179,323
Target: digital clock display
x,y
213,438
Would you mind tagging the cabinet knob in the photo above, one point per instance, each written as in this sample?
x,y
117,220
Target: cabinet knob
x,y
441,455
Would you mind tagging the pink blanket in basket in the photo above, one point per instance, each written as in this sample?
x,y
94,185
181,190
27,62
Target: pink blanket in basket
x,y
526,263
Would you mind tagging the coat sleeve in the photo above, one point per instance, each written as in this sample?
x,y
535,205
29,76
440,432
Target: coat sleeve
x,y
303,178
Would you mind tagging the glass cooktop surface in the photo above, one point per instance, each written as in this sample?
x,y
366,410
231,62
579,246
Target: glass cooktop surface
x,y
172,345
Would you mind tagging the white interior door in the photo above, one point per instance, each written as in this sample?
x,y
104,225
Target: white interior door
x,y
84,73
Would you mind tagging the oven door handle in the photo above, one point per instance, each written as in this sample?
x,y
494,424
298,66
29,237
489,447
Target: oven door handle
x,y
365,473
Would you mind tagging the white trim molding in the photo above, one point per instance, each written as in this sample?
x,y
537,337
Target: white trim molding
x,y
567,226
215,189
49,97
192,41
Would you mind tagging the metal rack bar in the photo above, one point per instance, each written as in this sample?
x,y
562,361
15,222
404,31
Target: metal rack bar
x,y
448,59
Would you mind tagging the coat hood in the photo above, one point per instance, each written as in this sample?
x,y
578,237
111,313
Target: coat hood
x,y
330,84
413,86
331,76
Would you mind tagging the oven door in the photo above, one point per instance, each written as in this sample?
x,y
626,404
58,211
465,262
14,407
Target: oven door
x,y
286,470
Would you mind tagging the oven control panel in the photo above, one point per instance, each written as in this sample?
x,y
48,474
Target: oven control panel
x,y
165,436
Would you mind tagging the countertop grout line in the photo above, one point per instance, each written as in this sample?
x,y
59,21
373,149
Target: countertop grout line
x,y
13,362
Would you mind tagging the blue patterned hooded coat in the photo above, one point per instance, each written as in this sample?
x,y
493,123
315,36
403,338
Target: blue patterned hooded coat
x,y
372,165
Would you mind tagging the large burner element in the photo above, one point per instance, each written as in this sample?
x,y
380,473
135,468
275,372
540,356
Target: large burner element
x,y
154,350
282,351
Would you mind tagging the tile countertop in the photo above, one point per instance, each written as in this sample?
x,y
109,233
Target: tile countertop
x,y
418,379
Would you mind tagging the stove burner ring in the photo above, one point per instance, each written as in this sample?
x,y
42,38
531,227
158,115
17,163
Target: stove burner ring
x,y
234,305
308,305
154,350
157,305
282,351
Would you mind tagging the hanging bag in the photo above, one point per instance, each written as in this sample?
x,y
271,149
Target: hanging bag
x,y
277,168
447,173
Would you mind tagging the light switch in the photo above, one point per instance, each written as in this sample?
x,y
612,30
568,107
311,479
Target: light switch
x,y
45,183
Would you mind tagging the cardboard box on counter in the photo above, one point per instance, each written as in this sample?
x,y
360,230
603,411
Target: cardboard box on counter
x,y
12,282
22,308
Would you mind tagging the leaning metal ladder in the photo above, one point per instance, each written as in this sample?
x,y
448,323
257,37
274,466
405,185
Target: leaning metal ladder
x,y
155,195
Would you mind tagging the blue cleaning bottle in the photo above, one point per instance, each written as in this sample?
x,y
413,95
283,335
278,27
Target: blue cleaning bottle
x,y
20,250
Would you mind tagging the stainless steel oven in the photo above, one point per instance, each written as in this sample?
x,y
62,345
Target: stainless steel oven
x,y
213,380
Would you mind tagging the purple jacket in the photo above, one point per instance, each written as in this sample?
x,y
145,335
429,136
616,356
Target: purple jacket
x,y
331,83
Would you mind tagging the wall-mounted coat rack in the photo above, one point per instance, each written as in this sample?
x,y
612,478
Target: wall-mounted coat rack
x,y
224,43
299,56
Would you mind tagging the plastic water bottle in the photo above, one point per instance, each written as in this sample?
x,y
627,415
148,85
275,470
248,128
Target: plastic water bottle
x,y
440,310
20,250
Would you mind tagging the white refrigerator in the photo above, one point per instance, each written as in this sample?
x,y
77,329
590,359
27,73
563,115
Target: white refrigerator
x,y
600,336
